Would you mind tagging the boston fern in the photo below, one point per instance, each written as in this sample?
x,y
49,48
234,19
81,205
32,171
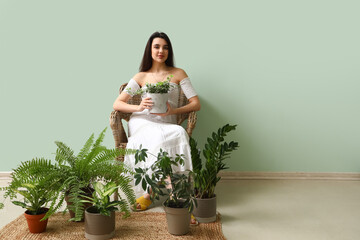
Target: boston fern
x,y
178,191
93,162
216,150
73,174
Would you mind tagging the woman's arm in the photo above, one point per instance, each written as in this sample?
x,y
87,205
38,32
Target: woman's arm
x,y
121,104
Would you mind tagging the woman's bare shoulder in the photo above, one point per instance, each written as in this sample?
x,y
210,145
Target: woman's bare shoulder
x,y
139,77
179,74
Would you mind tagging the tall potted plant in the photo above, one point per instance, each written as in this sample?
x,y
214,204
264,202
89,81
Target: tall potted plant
x,y
37,191
163,181
75,173
158,92
205,175
100,217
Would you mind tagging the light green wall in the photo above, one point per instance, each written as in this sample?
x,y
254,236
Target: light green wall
x,y
287,72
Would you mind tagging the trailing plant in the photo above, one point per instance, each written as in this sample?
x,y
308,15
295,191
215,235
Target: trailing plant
x,y
216,150
163,181
100,198
37,190
160,87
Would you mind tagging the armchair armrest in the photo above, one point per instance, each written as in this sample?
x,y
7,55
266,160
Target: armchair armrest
x,y
118,128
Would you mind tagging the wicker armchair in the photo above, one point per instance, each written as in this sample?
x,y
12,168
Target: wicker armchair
x,y
118,128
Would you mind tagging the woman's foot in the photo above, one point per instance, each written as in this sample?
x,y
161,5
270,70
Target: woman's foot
x,y
193,221
143,202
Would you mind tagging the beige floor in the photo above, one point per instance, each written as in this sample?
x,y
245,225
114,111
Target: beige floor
x,y
279,209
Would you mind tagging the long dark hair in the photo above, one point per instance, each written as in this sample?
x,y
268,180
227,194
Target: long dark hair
x,y
147,60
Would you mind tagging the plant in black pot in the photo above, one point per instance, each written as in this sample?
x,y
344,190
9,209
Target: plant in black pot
x,y
75,173
37,191
205,174
100,217
158,92
163,181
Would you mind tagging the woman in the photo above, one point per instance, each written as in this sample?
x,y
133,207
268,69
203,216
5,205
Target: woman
x,y
155,131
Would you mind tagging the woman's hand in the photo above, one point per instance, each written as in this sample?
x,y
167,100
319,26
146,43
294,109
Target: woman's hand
x,y
169,111
146,103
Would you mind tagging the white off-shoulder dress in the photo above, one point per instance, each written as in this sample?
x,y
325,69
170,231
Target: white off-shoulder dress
x,y
155,132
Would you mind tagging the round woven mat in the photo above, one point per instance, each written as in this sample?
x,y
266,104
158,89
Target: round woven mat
x,y
140,225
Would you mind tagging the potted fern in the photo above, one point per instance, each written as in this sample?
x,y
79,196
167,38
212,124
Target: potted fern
x,y
76,172
100,217
37,191
163,181
205,175
158,92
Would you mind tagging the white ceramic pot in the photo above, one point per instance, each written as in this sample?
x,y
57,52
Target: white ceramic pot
x,y
159,100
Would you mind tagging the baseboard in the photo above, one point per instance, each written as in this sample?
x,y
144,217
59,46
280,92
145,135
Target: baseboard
x,y
5,177
229,175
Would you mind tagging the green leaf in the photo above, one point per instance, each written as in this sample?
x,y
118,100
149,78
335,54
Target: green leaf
x,y
21,204
144,184
137,181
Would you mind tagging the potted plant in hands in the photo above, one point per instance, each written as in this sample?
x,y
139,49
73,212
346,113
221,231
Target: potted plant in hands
x,y
158,92
36,190
100,217
205,176
76,172
163,181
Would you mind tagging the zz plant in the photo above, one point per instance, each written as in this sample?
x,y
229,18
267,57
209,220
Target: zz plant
x,y
215,152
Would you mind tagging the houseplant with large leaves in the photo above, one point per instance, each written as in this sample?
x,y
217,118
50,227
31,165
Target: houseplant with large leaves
x,y
205,174
35,190
163,181
100,217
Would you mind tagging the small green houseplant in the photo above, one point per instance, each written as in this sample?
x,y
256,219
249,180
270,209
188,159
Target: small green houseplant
x,y
205,175
100,217
74,173
37,191
163,181
158,92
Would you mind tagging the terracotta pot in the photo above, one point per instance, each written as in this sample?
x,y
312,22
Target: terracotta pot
x,y
97,226
86,205
178,220
205,211
34,223
160,100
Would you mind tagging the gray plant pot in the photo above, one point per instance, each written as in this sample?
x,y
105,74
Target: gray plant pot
x,y
205,211
178,220
97,226
159,100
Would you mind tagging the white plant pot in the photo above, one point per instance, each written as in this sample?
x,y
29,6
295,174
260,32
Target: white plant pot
x,y
159,100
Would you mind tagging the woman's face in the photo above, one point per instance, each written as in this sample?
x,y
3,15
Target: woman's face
x,y
159,50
